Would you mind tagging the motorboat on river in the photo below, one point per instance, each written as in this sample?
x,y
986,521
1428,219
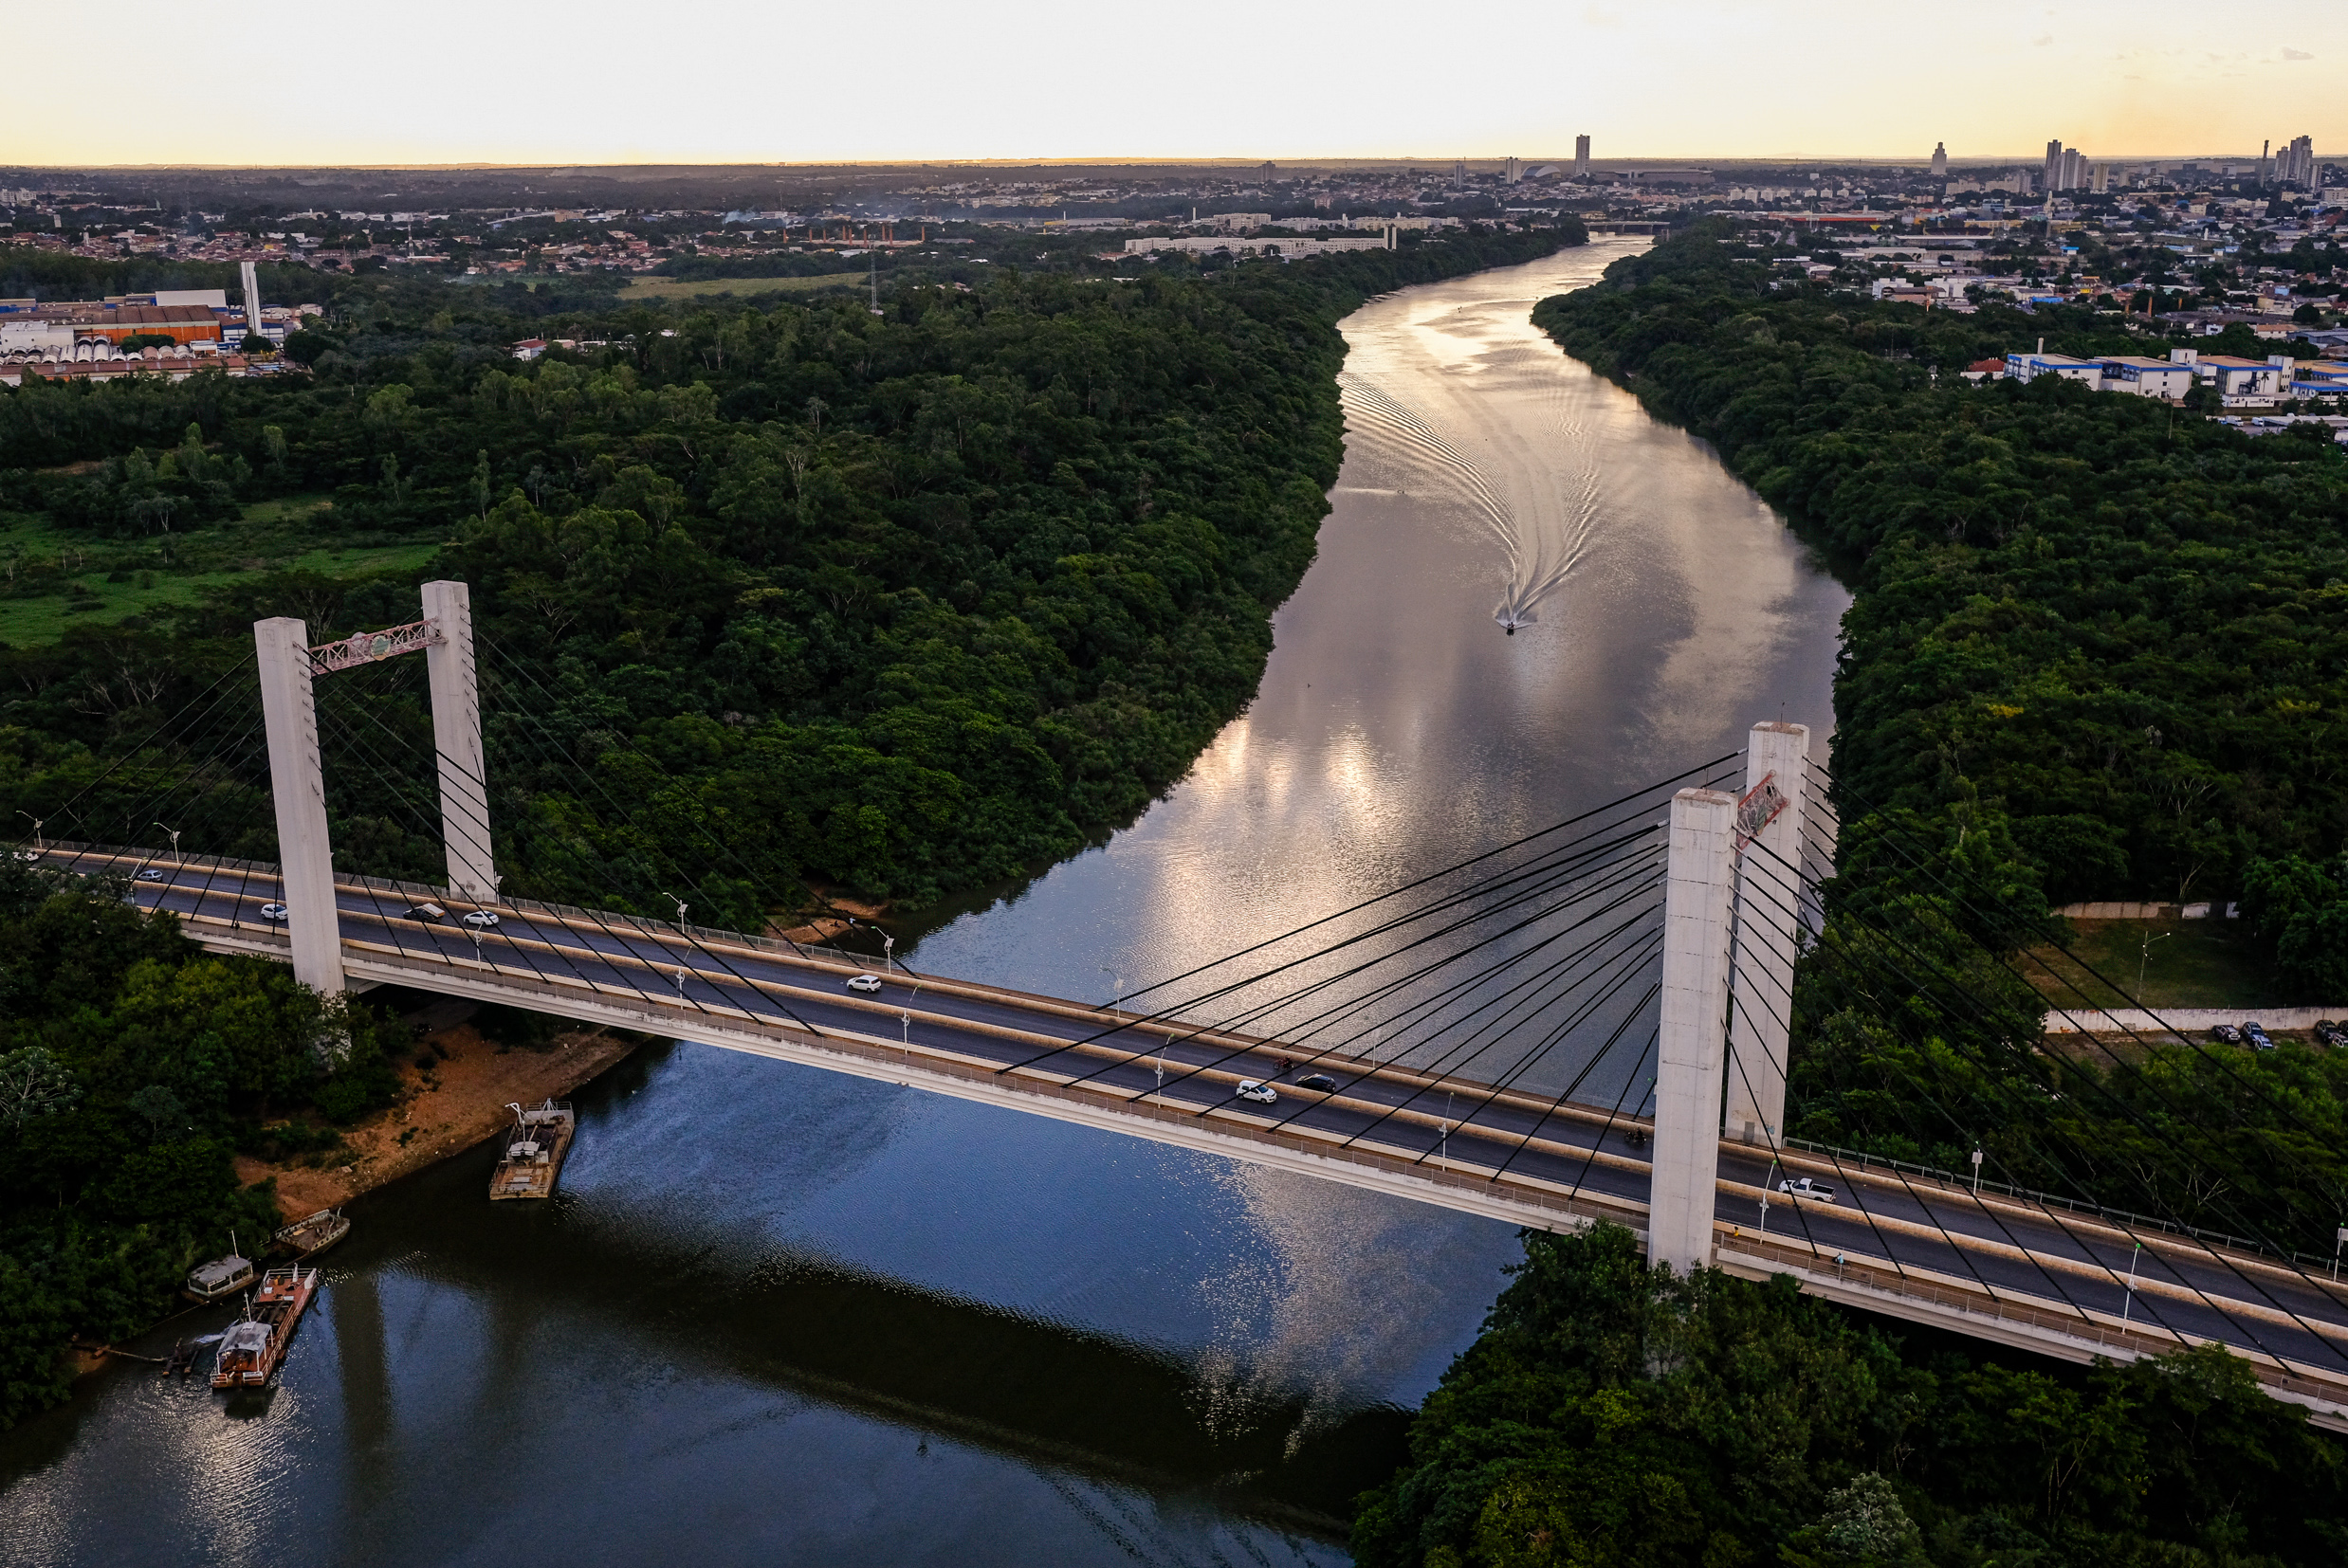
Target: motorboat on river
x,y
254,1346
220,1277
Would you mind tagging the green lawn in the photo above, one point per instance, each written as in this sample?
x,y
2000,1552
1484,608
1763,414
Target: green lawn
x,y
2184,963
109,580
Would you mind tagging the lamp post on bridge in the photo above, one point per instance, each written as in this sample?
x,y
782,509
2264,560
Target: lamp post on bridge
x,y
682,907
38,847
175,833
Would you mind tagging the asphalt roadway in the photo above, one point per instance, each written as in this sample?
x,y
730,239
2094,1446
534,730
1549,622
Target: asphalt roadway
x,y
2065,1262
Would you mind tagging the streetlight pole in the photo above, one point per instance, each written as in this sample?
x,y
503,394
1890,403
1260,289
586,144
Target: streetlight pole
x,y
37,846
175,833
888,954
682,907
2143,957
2130,1302
1976,1173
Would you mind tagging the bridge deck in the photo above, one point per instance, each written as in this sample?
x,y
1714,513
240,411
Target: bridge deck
x,y
1990,1265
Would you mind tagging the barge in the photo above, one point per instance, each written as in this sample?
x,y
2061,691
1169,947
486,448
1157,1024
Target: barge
x,y
254,1346
307,1238
534,1152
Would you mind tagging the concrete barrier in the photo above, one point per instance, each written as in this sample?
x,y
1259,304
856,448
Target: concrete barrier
x,y
2195,1020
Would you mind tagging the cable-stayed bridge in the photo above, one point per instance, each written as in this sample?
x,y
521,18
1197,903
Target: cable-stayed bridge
x,y
1591,1023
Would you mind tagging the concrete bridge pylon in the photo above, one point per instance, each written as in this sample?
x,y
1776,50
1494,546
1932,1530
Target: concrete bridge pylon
x,y
1769,912
1693,1045
289,668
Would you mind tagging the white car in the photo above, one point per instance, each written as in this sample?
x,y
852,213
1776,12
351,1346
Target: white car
x,y
150,874
1803,1187
482,917
865,983
28,854
273,911
1263,1094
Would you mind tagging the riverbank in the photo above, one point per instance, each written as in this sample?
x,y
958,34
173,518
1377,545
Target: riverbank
x,y
464,1097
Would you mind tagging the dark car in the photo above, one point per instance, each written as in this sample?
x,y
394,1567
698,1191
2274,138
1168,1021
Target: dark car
x,y
2258,1038
2330,1033
1317,1080
2226,1034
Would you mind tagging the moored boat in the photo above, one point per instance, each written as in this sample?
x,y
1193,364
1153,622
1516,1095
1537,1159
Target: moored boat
x,y
254,1346
534,1151
307,1238
222,1277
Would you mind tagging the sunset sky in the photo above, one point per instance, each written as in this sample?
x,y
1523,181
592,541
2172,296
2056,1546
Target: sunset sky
x,y
601,80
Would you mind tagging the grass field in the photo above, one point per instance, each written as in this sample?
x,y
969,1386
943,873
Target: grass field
x,y
693,288
2184,963
109,580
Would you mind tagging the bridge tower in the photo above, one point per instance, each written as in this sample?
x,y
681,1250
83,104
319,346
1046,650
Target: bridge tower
x,y
1694,1043
290,665
1769,907
297,786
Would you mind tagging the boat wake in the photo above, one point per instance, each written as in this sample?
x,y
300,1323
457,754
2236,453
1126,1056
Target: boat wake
x,y
1537,555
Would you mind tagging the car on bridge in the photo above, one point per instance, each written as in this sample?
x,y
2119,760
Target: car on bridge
x,y
1320,1080
273,911
865,983
1262,1094
1803,1187
428,913
150,874
485,918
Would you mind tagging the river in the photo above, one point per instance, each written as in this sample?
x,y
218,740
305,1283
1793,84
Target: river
x,y
781,1316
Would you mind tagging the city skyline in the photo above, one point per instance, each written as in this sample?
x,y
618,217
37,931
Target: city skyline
x,y
1831,80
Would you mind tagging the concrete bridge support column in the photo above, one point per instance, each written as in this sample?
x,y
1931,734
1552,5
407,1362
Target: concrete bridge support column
x,y
456,736
1694,1045
1768,904
298,785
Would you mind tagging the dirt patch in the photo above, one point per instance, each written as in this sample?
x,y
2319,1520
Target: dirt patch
x,y
824,927
452,1105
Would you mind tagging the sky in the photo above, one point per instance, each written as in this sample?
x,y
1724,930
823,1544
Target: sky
x,y
270,81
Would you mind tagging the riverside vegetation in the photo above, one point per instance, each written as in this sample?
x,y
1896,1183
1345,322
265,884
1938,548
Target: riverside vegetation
x,y
2098,648
1612,1417
898,603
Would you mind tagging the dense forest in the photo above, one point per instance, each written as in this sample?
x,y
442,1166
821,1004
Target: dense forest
x,y
902,602
1611,1417
2097,648
131,1067
898,602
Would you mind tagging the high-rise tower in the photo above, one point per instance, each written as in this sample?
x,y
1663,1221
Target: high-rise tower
x,y
1581,158
2050,178
1940,160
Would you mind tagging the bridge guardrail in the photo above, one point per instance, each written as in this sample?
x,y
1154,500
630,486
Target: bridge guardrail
x,y
1873,1275
2122,1216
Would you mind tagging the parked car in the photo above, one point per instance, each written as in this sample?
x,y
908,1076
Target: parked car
x,y
865,983
1801,1187
273,911
2226,1034
1320,1080
484,919
1262,1094
2329,1032
151,873
2259,1038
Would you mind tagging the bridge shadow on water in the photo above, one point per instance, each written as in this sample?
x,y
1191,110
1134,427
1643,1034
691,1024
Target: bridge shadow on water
x,y
682,1290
